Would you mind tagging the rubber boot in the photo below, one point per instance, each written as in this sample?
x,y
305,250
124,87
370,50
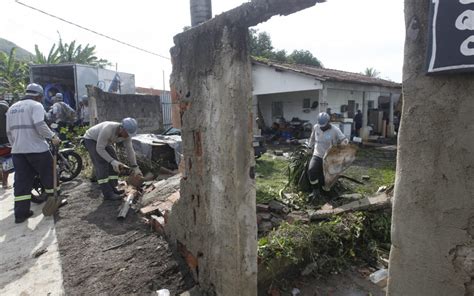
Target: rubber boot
x,y
114,184
108,192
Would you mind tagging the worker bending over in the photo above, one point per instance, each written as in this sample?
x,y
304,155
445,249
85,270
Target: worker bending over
x,y
324,135
98,141
27,133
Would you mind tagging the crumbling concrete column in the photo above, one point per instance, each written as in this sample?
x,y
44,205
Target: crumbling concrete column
x,y
214,221
213,224
433,215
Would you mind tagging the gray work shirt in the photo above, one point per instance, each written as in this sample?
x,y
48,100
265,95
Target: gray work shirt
x,y
105,134
26,129
323,140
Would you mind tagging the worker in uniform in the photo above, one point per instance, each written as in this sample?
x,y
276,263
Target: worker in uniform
x,y
28,133
61,114
323,136
98,141
83,112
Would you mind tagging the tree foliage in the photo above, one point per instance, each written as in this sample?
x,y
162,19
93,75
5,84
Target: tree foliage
x,y
260,45
13,74
70,53
371,72
304,57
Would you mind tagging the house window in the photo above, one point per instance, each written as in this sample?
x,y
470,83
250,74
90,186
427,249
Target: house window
x,y
277,109
306,103
371,104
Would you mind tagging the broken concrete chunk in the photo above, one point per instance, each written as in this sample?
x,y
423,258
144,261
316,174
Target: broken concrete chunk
x,y
265,226
278,207
379,277
276,221
262,208
158,224
163,292
352,196
264,216
163,189
298,216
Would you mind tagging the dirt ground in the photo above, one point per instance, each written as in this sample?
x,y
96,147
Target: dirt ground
x,y
93,263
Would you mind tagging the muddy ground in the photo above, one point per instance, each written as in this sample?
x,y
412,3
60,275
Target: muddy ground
x,y
93,263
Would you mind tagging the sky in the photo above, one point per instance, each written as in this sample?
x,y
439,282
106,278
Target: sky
x,y
345,35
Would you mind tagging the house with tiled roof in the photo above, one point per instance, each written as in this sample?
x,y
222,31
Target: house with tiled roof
x,y
299,91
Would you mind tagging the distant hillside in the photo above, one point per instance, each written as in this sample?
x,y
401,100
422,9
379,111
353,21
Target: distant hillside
x,y
21,53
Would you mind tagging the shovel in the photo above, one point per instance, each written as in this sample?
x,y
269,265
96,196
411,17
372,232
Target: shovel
x,y
53,202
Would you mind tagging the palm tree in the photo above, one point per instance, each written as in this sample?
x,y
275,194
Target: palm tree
x,y
371,72
70,53
13,74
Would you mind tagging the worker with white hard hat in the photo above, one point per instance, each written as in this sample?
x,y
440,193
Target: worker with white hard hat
x,y
98,141
28,134
83,112
324,136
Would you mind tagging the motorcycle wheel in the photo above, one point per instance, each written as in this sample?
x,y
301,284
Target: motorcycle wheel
x,y
72,167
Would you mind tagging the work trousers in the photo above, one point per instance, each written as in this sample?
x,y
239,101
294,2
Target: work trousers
x,y
107,178
27,167
315,172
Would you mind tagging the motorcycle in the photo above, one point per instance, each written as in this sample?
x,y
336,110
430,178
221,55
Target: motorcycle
x,y
69,165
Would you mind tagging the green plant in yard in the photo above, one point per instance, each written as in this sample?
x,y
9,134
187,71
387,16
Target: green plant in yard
x,y
332,245
297,169
270,177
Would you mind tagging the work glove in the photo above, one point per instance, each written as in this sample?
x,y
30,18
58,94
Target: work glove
x,y
136,171
116,165
345,142
55,140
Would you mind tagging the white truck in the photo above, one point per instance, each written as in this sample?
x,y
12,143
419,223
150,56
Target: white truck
x,y
71,81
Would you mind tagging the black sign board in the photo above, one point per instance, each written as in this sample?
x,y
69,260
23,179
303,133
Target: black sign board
x,y
451,46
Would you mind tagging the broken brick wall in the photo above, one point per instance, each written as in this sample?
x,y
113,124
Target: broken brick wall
x,y
146,109
433,216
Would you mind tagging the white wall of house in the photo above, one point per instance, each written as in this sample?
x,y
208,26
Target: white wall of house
x,y
290,89
292,105
267,80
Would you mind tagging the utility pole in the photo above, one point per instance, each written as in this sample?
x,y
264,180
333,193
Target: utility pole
x,y
201,11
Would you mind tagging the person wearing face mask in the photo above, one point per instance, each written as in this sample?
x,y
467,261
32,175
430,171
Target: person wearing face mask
x,y
323,136
98,141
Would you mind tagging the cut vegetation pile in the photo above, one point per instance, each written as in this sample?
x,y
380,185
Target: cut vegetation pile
x,y
331,245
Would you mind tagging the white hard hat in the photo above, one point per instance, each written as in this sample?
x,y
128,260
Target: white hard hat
x,y
34,90
323,118
58,97
130,125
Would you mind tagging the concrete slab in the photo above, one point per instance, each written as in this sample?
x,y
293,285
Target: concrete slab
x,y
20,272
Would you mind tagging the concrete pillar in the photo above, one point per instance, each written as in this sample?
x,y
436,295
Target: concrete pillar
x,y
201,11
390,126
364,131
323,103
256,130
433,206
213,223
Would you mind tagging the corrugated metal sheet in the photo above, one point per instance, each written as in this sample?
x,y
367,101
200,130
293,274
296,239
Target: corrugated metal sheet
x,y
166,109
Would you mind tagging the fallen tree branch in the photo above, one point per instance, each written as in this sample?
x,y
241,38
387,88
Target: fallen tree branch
x,y
381,201
351,179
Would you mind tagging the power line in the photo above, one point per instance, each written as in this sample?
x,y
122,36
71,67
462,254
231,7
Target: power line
x,y
92,31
